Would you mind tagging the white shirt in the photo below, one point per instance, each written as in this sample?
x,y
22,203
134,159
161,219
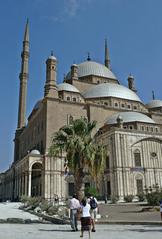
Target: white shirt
x,y
86,210
74,203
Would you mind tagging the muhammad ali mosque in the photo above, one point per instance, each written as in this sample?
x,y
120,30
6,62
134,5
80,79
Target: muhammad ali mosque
x,y
130,130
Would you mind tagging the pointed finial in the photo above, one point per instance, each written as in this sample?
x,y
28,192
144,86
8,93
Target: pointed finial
x,y
26,35
153,95
107,58
51,53
88,58
130,76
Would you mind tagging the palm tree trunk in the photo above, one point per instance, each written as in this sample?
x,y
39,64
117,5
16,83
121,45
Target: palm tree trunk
x,y
79,184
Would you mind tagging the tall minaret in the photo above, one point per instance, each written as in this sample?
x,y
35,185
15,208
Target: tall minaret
x,y
23,79
107,57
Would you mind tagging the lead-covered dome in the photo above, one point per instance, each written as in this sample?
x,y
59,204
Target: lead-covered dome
x,y
129,117
154,104
93,68
35,151
67,87
111,90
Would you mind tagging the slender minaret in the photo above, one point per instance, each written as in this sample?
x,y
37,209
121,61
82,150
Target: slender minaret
x,y
50,88
107,57
74,72
23,79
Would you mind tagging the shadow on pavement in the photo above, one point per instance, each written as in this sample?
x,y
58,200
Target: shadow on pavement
x,y
55,230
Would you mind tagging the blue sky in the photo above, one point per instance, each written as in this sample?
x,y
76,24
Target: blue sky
x,y
71,28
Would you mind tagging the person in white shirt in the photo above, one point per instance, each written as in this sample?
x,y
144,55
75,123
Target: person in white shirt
x,y
74,205
93,211
85,218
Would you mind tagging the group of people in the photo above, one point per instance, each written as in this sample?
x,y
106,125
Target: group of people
x,y
87,211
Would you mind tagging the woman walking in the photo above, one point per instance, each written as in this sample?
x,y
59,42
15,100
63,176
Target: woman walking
x,y
85,218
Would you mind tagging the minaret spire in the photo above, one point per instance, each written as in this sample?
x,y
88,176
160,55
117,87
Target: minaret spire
x,y
23,78
26,35
153,95
107,57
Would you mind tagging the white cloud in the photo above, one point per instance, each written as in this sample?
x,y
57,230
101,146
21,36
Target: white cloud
x,y
71,7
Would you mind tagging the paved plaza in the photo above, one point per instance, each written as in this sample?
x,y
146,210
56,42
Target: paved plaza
x,y
104,231
46,231
11,210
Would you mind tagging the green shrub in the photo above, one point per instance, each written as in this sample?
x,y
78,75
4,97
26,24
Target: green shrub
x,y
34,202
128,198
153,198
114,199
141,197
45,205
52,210
24,199
91,191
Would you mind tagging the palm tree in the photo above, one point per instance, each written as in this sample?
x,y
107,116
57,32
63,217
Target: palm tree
x,y
81,151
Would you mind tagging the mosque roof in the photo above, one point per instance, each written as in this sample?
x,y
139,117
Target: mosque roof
x,y
111,90
67,87
93,68
129,117
154,104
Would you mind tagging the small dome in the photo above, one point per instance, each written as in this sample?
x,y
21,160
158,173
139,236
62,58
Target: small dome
x,y
35,151
119,118
129,117
67,87
111,90
93,68
52,58
154,104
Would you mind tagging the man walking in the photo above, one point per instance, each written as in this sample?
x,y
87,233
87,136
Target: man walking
x,y
74,206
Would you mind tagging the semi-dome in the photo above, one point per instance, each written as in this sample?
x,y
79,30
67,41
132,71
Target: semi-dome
x,y
67,87
111,90
35,151
154,104
93,68
129,117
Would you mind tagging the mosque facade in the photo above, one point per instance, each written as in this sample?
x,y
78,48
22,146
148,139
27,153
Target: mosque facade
x,y
130,130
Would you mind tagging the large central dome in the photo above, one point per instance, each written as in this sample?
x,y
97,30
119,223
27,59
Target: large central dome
x,y
93,68
111,90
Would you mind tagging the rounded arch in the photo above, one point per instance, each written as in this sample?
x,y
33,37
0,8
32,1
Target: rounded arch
x,y
36,179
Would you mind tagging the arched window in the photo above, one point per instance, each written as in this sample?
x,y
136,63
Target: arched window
x,y
68,98
137,158
116,104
